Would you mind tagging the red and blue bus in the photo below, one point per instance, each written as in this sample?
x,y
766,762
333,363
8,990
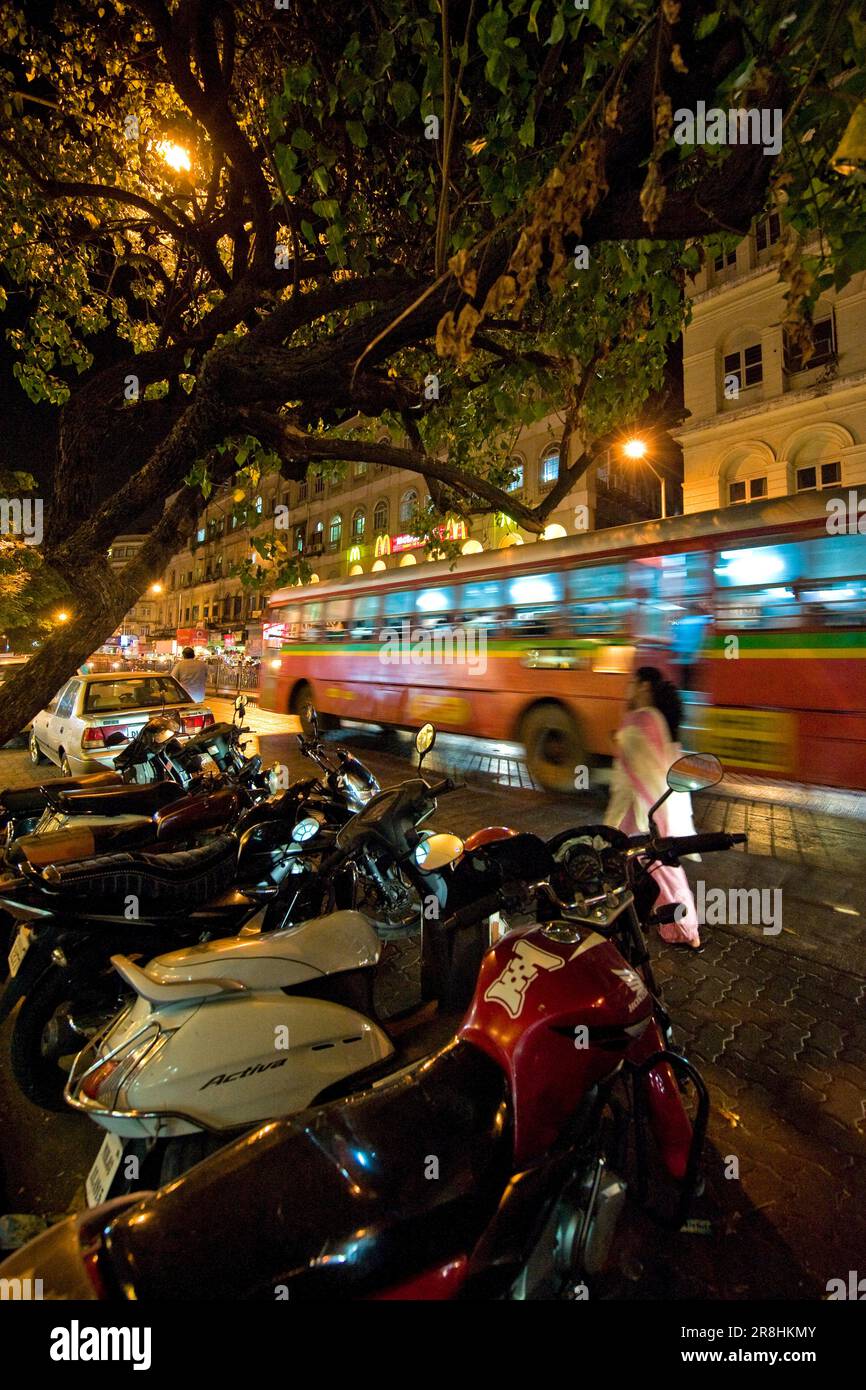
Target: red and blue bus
x,y
758,611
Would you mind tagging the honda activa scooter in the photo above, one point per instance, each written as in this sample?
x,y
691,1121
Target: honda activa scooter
x,y
519,1111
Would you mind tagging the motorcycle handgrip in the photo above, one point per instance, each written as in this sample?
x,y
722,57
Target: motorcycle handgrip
x,y
437,788
475,912
704,843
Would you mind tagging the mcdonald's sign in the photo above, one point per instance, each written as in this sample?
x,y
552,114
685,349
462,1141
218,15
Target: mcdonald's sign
x,y
383,546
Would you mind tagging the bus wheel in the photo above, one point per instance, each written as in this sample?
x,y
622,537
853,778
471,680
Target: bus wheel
x,y
302,695
554,747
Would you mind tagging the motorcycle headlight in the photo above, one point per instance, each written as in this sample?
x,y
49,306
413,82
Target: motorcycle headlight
x,y
305,830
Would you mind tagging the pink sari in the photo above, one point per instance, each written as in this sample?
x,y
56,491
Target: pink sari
x,y
646,751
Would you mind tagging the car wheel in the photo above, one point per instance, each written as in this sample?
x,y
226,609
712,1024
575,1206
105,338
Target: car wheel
x,y
36,754
554,747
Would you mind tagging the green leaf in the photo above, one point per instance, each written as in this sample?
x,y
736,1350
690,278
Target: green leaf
x,y
558,30
357,134
302,139
320,178
526,133
707,25
403,98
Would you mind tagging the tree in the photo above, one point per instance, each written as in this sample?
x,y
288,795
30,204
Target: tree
x,y
297,226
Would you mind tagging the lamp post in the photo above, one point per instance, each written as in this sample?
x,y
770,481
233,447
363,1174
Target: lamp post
x,y
637,449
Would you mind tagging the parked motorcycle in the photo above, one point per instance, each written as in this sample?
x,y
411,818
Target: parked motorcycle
x,y
73,917
492,1169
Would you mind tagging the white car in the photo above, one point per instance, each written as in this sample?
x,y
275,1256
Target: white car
x,y
74,729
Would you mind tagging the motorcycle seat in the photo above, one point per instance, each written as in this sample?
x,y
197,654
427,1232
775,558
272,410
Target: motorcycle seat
x,y
180,880
346,1200
22,801
143,800
76,841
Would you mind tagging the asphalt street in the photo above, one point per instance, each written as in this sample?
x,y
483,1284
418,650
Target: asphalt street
x,y
773,1019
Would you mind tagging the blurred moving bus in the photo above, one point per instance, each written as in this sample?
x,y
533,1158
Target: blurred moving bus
x,y
758,612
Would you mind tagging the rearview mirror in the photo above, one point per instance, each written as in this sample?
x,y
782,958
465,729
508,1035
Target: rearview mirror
x,y
240,704
694,772
424,740
438,851
309,721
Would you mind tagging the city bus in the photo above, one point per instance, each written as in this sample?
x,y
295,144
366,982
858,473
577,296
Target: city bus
x,y
756,611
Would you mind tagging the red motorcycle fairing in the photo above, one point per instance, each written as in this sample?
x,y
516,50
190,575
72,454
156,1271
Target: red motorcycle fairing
x,y
671,1126
435,1285
558,1017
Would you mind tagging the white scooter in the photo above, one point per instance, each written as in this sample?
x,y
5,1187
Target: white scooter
x,y
237,1031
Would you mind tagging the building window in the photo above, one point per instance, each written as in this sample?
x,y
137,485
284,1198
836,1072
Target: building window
x,y
767,232
359,523
724,261
206,610
816,476
302,492
747,489
238,605
745,367
335,532
549,468
360,470
380,516
195,612
408,505
516,466
300,537
823,341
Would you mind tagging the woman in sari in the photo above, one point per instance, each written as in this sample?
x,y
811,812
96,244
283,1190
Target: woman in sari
x,y
646,747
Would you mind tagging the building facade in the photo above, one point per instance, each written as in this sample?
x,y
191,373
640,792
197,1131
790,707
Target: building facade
x,y
764,421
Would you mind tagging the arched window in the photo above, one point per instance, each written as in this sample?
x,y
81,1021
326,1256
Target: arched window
x,y
335,532
359,524
549,470
408,505
317,539
380,516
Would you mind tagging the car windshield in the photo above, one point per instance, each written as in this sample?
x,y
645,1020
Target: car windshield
x,y
132,692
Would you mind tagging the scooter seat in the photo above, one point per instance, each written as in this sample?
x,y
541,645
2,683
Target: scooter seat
x,y
145,800
179,880
346,1200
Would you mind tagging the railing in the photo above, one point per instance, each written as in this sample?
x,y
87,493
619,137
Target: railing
x,y
223,676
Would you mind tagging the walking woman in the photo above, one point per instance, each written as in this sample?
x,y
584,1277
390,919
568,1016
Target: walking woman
x,y
646,747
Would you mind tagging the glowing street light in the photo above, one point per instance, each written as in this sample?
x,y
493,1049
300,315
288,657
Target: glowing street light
x,y
156,587
634,448
174,155
62,616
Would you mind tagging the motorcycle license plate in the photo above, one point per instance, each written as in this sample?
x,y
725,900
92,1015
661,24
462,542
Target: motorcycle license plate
x,y
19,950
105,1165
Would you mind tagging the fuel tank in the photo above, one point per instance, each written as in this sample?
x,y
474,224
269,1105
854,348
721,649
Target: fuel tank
x,y
558,1007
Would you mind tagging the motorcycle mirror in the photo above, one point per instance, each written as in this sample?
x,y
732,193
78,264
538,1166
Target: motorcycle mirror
x,y
309,721
438,851
424,740
240,705
694,772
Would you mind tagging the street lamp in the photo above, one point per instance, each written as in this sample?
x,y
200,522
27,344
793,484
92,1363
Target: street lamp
x,y
62,616
156,588
174,155
635,448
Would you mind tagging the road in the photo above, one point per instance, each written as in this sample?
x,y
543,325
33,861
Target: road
x,y
774,1021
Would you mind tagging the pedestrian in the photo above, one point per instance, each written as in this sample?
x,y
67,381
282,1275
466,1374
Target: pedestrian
x,y
646,747
191,673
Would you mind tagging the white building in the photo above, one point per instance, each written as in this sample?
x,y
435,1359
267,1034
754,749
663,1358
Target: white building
x,y
762,422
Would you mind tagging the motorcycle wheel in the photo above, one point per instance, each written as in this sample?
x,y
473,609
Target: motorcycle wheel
x,y
45,1039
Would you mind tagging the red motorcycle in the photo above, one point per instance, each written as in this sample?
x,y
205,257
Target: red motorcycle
x,y
496,1167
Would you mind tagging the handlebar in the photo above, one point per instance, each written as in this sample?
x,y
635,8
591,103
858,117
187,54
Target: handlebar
x,y
706,843
437,788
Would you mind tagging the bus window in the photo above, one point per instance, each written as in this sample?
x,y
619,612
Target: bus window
x,y
776,606
833,557
399,604
482,595
535,590
834,605
311,622
436,603
336,617
599,619
598,581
